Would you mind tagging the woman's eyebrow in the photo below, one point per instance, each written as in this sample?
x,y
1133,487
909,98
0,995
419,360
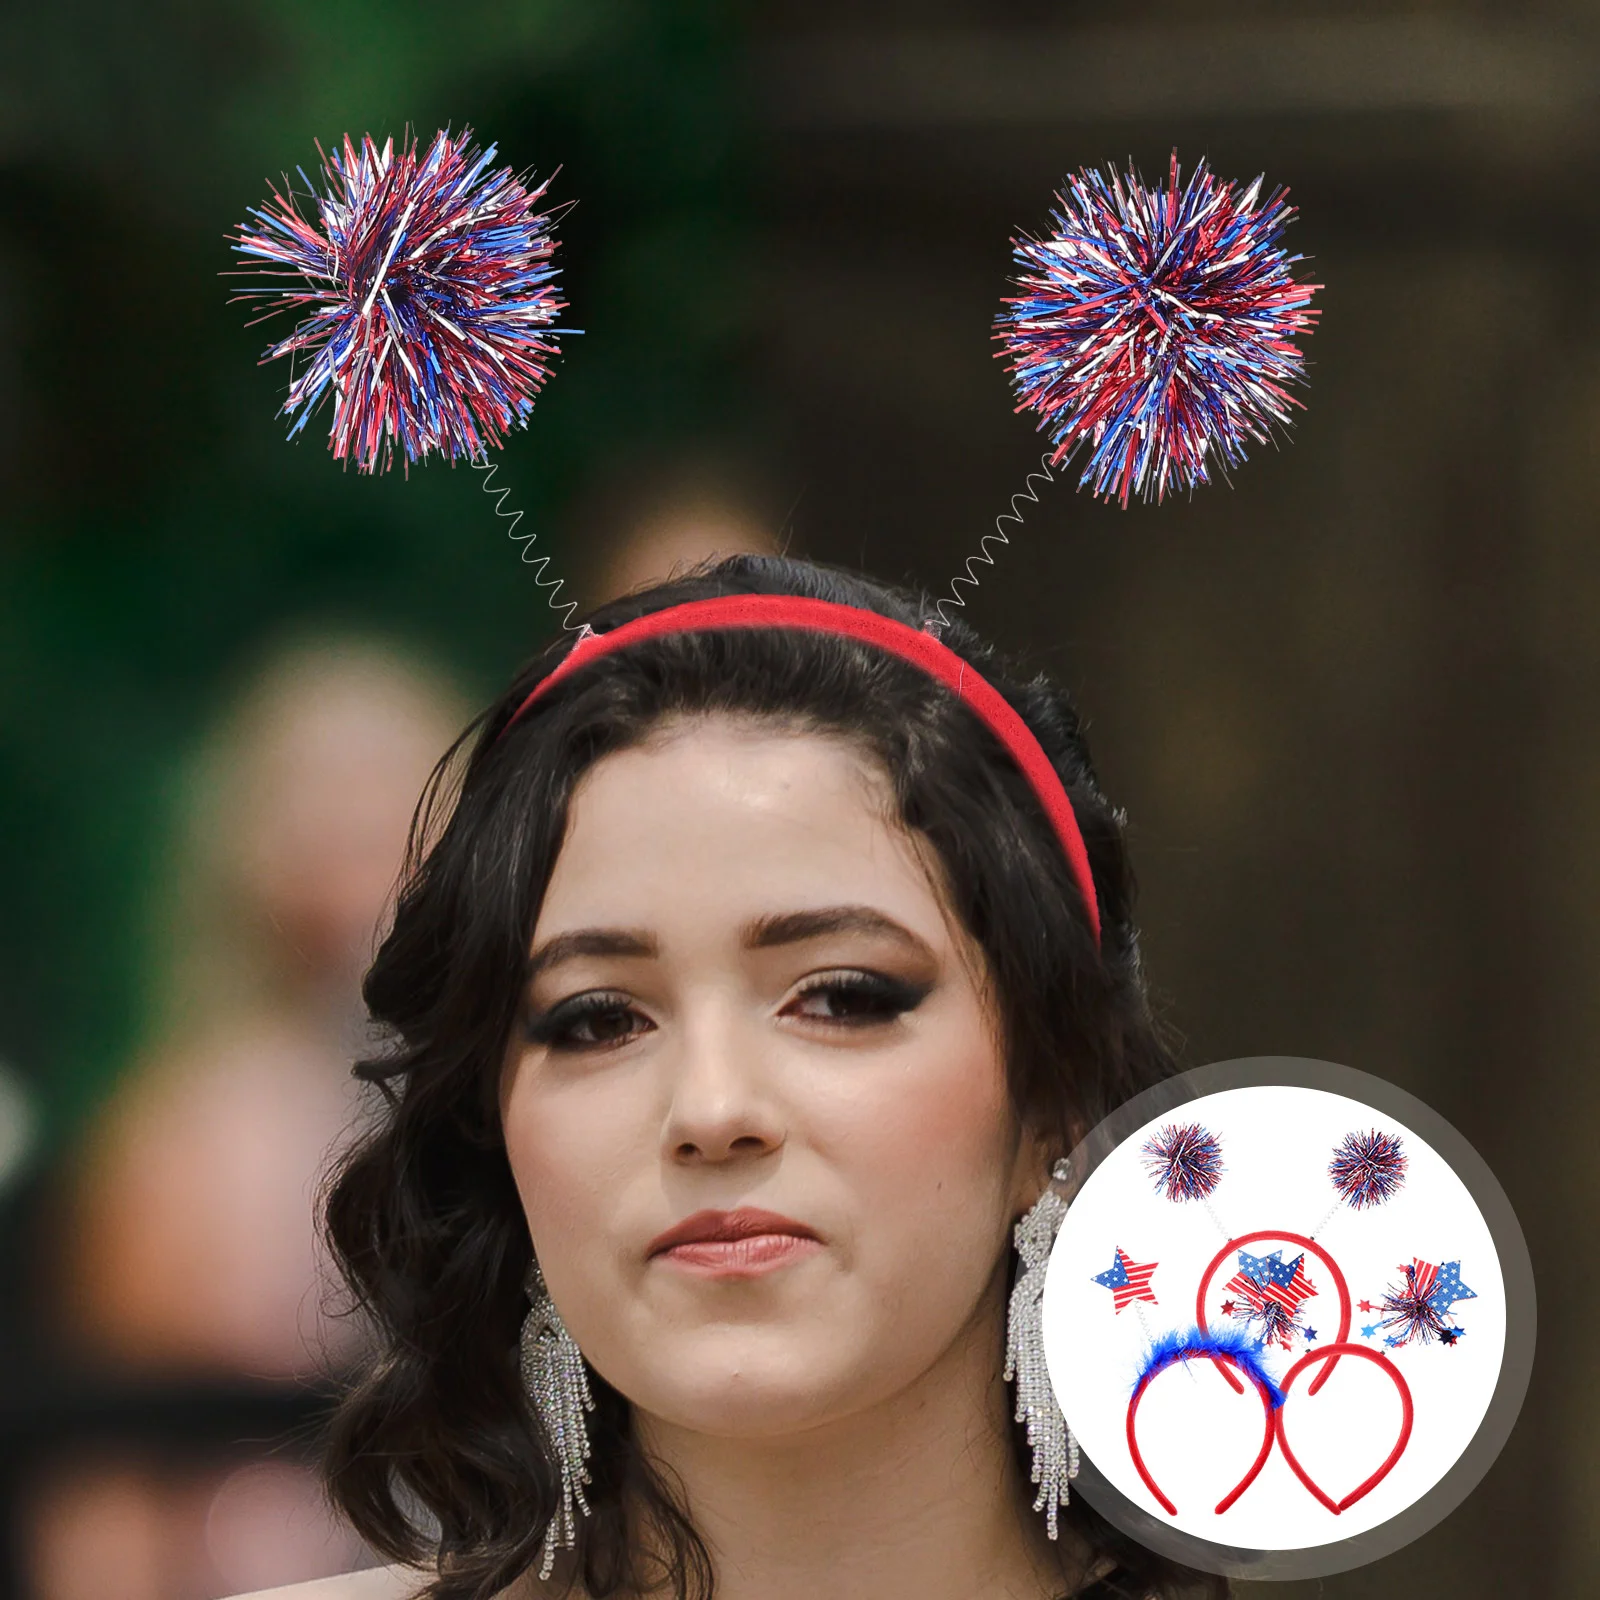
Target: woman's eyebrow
x,y
590,942
790,927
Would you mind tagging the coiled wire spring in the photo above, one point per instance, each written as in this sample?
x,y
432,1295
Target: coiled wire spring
x,y
539,563
968,576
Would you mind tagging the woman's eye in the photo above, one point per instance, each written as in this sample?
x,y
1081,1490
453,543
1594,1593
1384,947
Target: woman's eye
x,y
857,998
587,1022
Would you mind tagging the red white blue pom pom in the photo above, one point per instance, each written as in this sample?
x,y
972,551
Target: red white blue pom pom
x,y
429,285
1184,1159
1157,326
1367,1168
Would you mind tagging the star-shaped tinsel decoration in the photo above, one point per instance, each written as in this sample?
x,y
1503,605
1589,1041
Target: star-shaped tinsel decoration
x,y
1128,1280
1271,1291
428,290
1418,1309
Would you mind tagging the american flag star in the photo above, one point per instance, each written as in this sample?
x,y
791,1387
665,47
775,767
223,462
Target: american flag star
x,y
1447,1286
1423,1276
1128,1280
1272,1290
1418,1309
1283,1272
1257,1267
1263,1278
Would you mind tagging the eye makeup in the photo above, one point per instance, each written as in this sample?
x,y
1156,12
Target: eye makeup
x,y
598,1019
857,998
849,998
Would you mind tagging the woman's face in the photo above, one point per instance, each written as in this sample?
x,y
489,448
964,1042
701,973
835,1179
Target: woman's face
x,y
752,1020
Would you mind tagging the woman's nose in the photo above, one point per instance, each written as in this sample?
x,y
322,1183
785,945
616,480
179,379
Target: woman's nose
x,y
722,1103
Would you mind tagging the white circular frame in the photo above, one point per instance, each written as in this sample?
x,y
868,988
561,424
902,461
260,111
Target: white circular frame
x,y
1094,1356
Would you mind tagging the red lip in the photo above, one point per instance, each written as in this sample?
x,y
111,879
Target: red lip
x,y
728,1227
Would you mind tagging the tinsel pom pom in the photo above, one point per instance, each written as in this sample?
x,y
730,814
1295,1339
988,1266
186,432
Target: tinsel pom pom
x,y
1273,1322
1367,1168
428,283
1185,1160
1158,326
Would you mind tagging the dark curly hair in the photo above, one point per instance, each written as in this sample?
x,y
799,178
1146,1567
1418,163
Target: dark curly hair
x,y
434,1453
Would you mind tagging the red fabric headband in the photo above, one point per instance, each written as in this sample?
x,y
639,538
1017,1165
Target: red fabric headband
x,y
920,648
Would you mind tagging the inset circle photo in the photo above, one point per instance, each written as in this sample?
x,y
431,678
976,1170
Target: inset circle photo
x,y
1289,1317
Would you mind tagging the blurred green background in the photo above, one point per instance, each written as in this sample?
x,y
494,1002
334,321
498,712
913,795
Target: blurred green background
x,y
1350,702
156,528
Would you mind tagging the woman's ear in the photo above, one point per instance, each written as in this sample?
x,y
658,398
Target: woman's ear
x,y
1035,1157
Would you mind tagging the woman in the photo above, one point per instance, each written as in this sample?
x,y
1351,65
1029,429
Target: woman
x,y
182,1275
740,1009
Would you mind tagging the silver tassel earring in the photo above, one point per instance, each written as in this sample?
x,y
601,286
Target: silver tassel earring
x,y
557,1385
1055,1451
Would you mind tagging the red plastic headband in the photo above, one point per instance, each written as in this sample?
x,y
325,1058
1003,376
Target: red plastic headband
x,y
920,648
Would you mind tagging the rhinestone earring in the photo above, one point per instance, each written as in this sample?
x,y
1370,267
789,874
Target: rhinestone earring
x,y
557,1386
1055,1451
